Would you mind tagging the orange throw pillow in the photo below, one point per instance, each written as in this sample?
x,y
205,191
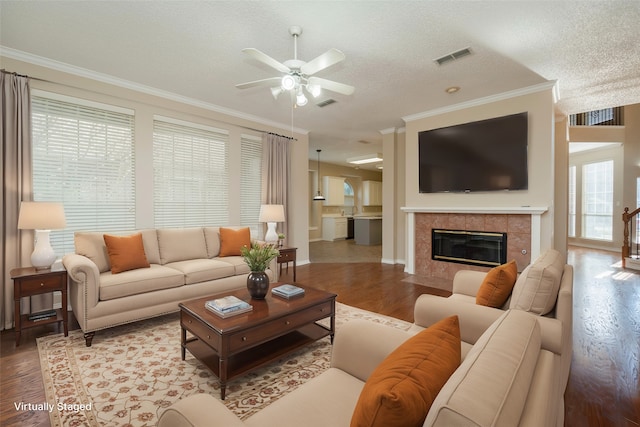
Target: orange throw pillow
x,y
497,285
402,388
125,252
231,240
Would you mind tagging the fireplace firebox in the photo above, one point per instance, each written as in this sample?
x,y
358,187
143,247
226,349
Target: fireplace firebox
x,y
484,248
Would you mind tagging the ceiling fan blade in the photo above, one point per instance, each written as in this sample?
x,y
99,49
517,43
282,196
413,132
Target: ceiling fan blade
x,y
263,82
264,58
332,86
327,59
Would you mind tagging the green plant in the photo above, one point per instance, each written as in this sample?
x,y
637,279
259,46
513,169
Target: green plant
x,y
280,236
258,256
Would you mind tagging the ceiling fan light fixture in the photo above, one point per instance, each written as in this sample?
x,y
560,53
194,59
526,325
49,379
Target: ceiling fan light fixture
x,y
288,82
275,91
314,90
301,100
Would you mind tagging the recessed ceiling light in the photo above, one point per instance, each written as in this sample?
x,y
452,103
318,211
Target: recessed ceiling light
x,y
369,158
452,89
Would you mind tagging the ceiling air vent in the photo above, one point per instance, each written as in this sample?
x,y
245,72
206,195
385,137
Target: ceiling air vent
x,y
453,56
326,102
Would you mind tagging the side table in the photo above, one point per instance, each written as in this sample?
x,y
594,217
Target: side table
x,y
28,281
286,256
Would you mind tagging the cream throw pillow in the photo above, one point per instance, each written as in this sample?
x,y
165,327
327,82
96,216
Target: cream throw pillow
x,y
536,290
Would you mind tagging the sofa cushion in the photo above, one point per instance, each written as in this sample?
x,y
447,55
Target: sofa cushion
x,y
179,244
238,263
150,241
497,285
401,389
212,239
201,270
536,290
125,252
504,358
232,240
91,245
139,281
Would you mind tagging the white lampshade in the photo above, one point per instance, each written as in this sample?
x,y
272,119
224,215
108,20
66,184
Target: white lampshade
x,y
42,217
271,214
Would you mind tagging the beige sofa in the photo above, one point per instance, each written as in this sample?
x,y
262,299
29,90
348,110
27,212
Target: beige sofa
x,y
184,264
513,369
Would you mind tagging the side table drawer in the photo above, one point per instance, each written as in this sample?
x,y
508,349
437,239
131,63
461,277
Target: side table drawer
x,y
286,257
41,285
200,330
277,327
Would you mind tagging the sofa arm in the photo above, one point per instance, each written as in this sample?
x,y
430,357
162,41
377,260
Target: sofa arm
x,y
467,282
359,346
196,410
85,279
474,319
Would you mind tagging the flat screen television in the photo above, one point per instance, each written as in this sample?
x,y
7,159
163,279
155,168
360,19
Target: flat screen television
x,y
487,155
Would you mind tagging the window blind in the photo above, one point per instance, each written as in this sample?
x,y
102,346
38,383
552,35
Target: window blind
x,y
190,174
251,183
83,157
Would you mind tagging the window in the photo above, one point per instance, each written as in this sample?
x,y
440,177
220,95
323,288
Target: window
x,y
190,174
251,183
572,202
597,200
83,157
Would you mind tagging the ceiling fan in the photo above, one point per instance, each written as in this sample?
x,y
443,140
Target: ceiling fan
x,y
298,74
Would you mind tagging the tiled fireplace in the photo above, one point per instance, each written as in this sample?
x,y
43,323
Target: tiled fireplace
x,y
521,227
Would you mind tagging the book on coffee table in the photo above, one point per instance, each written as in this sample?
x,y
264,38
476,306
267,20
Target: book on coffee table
x,y
230,313
228,306
287,291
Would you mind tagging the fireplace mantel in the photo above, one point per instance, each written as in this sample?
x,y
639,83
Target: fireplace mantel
x,y
478,210
535,211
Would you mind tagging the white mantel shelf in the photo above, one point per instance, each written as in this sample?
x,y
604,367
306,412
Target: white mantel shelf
x,y
531,210
535,212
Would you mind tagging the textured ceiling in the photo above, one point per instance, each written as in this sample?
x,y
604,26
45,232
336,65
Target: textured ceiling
x,y
193,49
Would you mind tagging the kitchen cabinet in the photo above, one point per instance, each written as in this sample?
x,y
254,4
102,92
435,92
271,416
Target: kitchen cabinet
x,y
333,187
371,193
334,228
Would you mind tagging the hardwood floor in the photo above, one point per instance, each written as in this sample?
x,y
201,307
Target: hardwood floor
x,y
604,384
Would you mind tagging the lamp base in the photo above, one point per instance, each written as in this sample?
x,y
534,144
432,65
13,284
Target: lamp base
x,y
271,236
43,255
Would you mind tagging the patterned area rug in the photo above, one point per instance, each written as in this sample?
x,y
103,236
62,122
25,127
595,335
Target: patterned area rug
x,y
132,373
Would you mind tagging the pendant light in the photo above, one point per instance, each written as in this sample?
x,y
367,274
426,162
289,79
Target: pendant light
x,y
318,195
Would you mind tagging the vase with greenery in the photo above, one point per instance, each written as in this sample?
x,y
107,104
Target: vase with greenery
x,y
258,257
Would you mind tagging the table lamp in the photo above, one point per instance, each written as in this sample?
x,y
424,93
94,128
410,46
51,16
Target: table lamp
x,y
42,217
271,214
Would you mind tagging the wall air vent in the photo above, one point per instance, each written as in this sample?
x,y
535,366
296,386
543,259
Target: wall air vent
x,y
326,102
453,56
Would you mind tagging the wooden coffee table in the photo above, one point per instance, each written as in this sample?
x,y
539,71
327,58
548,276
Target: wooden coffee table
x,y
236,345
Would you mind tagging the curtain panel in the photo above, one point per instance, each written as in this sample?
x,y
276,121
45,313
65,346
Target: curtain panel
x,y
276,174
15,127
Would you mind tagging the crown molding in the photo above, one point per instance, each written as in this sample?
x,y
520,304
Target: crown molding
x,y
115,81
551,84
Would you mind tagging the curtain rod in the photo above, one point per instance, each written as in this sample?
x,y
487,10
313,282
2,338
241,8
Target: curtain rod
x,y
270,133
21,75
